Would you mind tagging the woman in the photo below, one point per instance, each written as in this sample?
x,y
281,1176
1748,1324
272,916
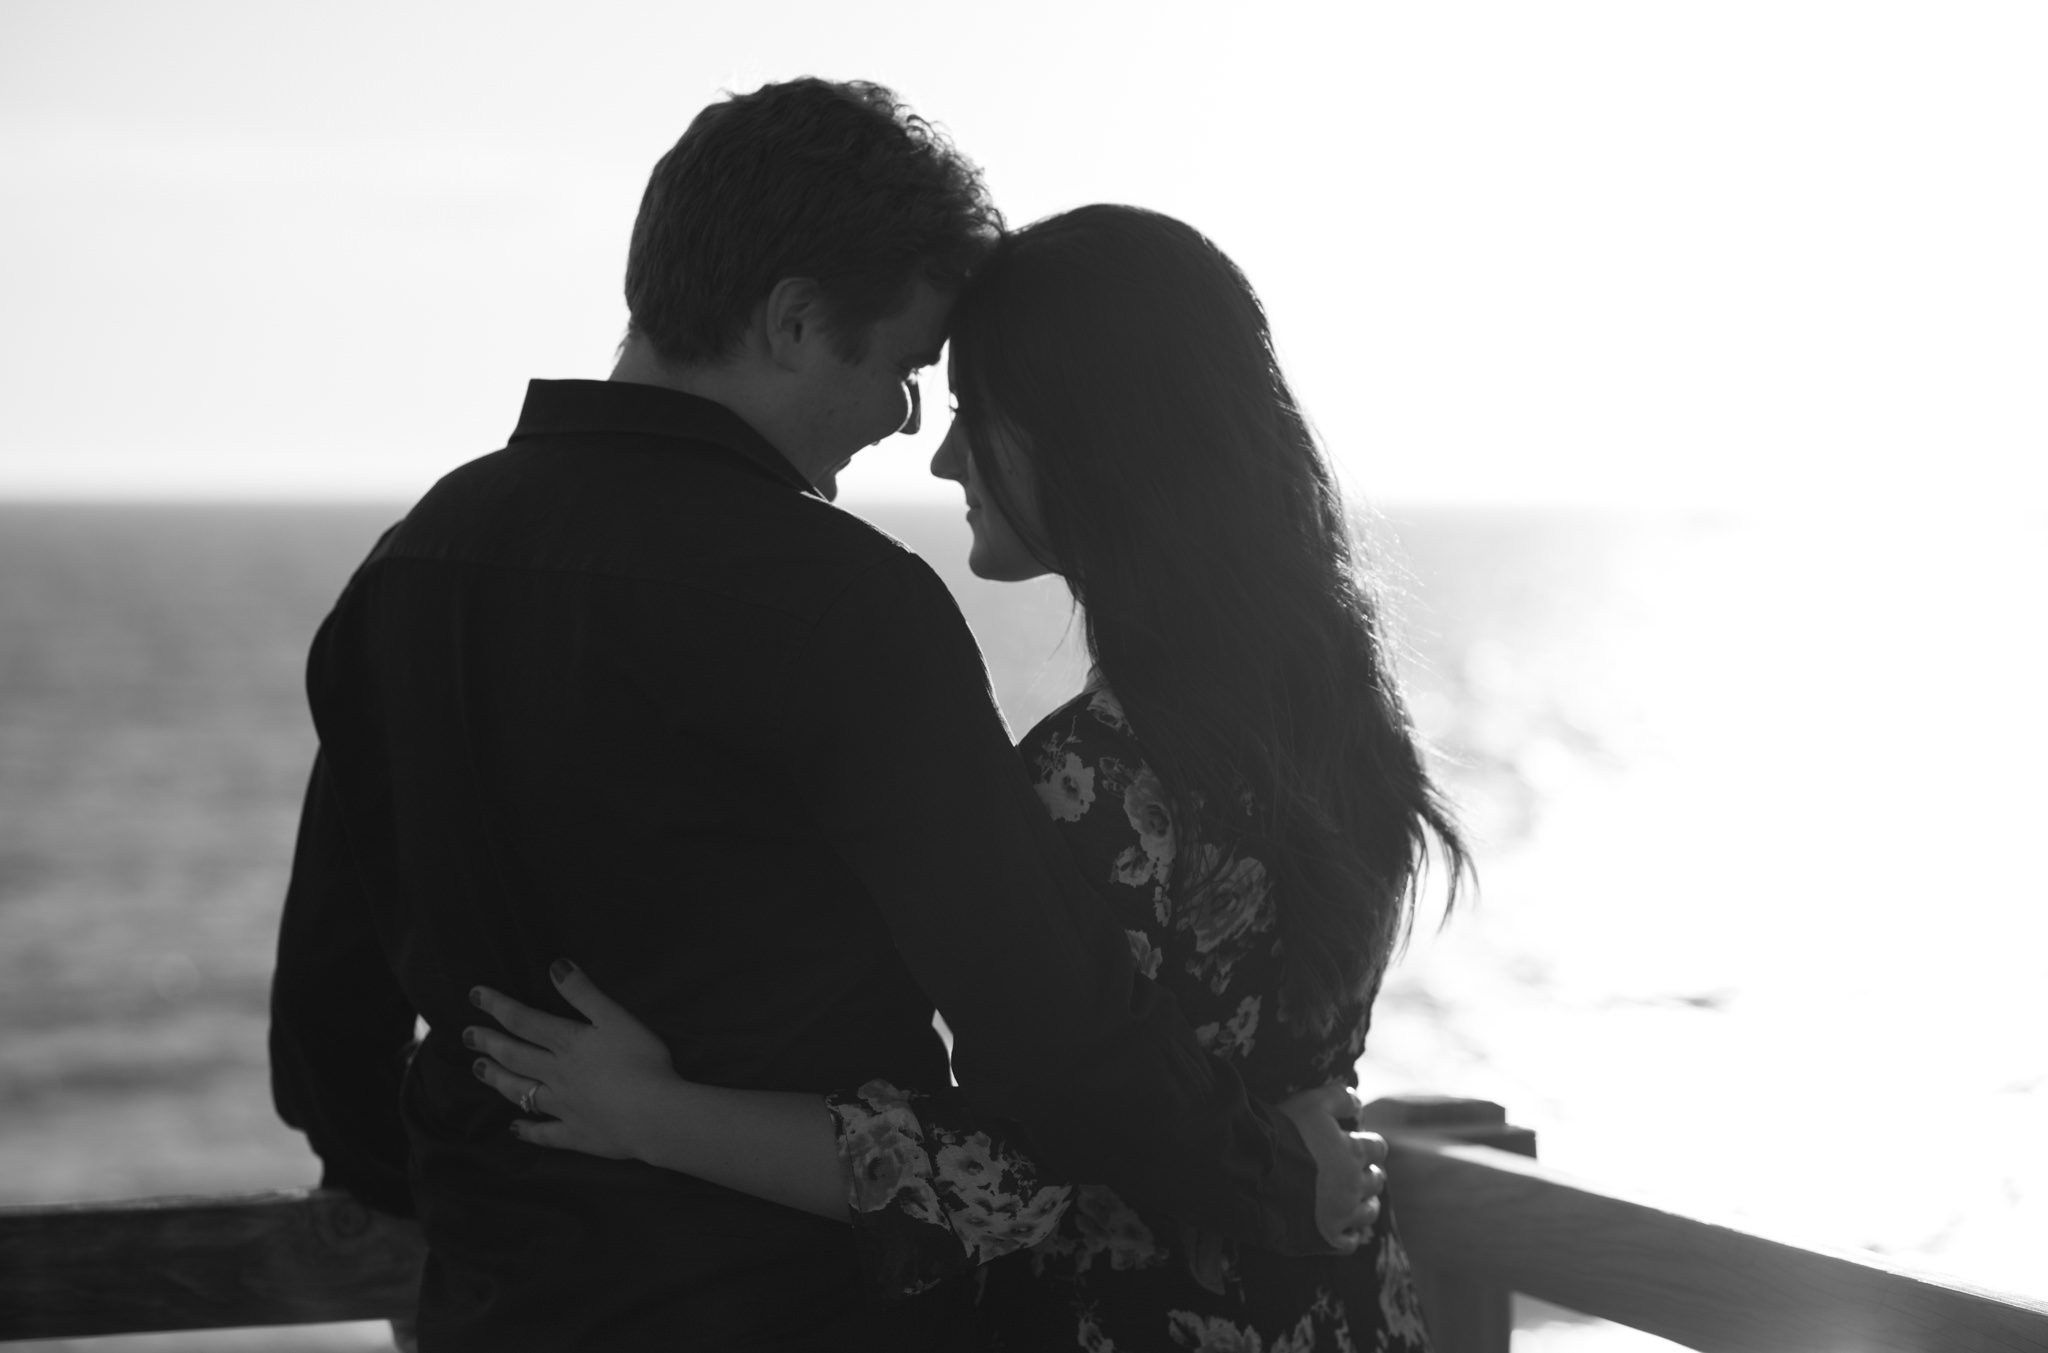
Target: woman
x,y
1239,775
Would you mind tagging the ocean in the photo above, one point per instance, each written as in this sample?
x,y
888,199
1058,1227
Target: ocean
x,y
1757,796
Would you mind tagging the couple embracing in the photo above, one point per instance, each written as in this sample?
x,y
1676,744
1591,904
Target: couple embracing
x,y
672,798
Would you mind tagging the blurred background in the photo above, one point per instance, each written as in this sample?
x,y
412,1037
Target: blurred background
x,y
1685,364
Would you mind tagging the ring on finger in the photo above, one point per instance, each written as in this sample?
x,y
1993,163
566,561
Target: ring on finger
x,y
526,1100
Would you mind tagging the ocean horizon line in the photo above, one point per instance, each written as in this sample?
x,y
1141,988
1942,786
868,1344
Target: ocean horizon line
x,y
856,502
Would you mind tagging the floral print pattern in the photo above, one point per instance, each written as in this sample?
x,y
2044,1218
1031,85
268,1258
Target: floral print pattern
x,y
936,1193
1069,790
933,1196
1222,918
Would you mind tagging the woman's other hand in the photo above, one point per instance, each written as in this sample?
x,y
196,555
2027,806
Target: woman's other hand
x,y
1349,1179
595,1083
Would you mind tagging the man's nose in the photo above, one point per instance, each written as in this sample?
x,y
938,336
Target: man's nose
x,y
916,419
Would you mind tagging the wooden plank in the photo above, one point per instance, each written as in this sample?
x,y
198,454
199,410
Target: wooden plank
x,y
1485,1220
1719,1288
1467,1311
1478,1121
202,1263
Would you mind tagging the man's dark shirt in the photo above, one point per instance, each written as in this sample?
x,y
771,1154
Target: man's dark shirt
x,y
626,692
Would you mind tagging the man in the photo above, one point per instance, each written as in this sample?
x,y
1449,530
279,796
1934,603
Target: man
x,y
631,691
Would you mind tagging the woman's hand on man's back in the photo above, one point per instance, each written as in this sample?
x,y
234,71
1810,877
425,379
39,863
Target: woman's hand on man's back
x,y
590,1087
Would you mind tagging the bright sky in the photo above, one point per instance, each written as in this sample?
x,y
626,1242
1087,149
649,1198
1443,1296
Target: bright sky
x,y
1512,251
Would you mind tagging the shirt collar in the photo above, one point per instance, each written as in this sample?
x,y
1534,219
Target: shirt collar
x,y
556,408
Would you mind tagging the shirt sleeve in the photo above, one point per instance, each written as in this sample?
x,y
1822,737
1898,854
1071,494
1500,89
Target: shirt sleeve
x,y
934,1190
897,749
340,1027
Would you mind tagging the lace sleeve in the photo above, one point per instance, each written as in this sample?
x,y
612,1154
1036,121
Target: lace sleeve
x,y
933,1191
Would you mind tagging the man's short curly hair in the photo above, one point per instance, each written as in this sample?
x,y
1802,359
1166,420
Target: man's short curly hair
x,y
838,182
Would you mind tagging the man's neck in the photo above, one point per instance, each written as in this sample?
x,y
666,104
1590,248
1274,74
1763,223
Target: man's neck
x,y
640,364
734,383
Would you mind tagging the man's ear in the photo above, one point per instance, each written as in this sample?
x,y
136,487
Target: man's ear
x,y
792,322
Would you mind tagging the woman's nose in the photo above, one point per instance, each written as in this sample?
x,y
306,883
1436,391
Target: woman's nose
x,y
946,462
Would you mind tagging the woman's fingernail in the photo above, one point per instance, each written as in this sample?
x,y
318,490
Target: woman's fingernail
x,y
478,1067
469,1038
476,996
560,969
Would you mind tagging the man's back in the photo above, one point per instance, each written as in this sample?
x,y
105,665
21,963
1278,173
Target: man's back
x,y
553,708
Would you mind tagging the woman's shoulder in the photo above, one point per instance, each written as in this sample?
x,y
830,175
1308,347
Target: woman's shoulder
x,y
1085,753
1092,720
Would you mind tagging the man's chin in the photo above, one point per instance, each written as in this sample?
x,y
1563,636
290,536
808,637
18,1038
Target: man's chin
x,y
827,484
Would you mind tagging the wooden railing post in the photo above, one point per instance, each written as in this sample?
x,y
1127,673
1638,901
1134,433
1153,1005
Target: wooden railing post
x,y
1468,1310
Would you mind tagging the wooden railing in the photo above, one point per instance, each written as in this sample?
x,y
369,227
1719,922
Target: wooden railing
x,y
1481,1217
297,1258
1487,1221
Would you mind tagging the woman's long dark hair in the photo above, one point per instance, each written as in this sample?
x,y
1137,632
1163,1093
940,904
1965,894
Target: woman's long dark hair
x,y
1185,501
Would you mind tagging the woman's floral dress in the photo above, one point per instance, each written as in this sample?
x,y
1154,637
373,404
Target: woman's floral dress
x,y
937,1192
